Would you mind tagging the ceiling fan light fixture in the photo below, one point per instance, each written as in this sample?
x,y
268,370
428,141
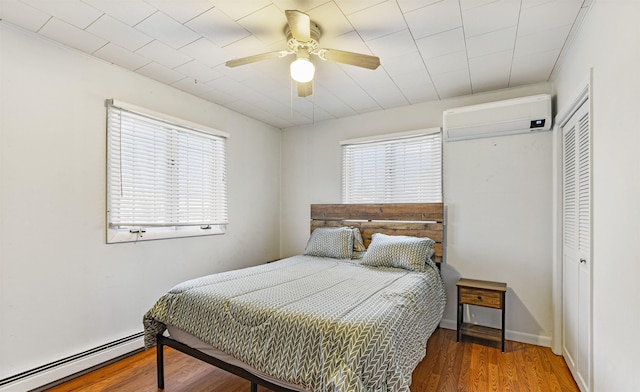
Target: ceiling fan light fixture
x,y
302,70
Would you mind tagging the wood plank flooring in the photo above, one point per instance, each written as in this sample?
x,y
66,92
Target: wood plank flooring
x,y
448,366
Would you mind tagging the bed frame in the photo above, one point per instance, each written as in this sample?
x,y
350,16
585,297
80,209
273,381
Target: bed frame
x,y
412,219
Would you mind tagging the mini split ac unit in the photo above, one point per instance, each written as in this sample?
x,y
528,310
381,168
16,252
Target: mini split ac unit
x,y
509,117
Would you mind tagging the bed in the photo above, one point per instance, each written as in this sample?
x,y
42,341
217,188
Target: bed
x,y
334,318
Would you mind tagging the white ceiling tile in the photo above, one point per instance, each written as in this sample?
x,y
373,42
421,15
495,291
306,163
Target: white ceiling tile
x,y
247,47
198,71
350,42
467,4
22,15
440,44
367,21
418,94
535,3
548,15
331,20
419,77
412,5
367,78
388,98
491,72
206,52
217,27
533,68
326,99
239,9
120,56
160,73
72,36
456,61
435,18
266,24
192,86
493,42
167,30
350,6
74,12
497,15
542,41
119,33
452,84
407,63
237,74
163,54
129,12
496,64
355,97
224,97
182,11
392,45
300,5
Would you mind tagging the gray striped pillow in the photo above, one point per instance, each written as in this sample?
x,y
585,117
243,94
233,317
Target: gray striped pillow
x,y
410,253
335,242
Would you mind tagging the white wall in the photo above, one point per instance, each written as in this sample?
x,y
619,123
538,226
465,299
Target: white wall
x,y
498,192
608,43
62,288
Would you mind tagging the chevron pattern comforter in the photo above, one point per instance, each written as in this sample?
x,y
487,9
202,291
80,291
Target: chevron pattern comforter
x,y
323,324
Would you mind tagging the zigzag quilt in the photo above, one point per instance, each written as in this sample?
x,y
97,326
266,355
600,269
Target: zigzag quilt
x,y
323,324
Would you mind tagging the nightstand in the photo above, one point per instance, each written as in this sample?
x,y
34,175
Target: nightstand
x,y
481,293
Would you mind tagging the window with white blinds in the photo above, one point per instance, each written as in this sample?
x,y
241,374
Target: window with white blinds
x,y
403,168
165,177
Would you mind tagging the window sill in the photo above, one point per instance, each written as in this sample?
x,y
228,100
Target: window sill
x,y
130,234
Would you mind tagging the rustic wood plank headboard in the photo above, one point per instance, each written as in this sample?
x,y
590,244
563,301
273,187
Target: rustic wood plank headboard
x,y
413,219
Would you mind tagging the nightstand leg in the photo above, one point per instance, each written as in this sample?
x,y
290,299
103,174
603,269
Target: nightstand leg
x,y
503,317
459,317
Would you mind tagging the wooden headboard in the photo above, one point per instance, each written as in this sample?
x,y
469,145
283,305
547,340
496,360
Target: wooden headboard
x,y
413,219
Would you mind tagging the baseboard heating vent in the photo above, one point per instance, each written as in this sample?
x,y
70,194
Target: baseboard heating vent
x,y
73,358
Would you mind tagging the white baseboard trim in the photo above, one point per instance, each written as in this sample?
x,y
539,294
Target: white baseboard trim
x,y
516,336
54,373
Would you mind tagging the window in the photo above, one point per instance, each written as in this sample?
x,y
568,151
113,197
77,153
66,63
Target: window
x,y
166,177
401,168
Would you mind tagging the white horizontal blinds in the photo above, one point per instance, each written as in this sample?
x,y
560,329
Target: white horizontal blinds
x,y
394,170
163,174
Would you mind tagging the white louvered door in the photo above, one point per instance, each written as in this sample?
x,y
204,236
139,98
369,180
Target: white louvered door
x,y
576,326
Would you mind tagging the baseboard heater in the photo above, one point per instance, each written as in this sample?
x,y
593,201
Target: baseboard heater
x,y
73,358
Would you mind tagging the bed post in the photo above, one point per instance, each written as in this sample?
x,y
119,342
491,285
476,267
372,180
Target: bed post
x,y
160,361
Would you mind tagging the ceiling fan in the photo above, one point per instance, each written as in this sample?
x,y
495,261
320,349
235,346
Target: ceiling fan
x,y
302,40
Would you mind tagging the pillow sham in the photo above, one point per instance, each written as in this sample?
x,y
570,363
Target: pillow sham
x,y
335,242
410,253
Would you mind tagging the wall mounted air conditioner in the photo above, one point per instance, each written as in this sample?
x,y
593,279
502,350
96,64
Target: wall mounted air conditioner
x,y
509,117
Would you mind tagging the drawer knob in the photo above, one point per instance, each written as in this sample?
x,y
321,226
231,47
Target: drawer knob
x,y
480,298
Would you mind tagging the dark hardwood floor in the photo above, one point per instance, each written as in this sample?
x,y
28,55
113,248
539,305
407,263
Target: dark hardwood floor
x,y
448,366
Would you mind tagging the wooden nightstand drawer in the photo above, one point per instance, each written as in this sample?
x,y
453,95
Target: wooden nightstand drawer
x,y
480,297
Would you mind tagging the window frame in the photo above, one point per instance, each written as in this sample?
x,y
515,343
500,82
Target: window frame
x,y
390,138
149,231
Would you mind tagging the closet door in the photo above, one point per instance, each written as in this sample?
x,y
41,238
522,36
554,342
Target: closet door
x,y
576,326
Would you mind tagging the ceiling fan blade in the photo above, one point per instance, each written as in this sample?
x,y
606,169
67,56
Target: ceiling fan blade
x,y
256,58
299,24
357,59
305,89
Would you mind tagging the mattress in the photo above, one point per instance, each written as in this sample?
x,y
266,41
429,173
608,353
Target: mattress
x,y
310,322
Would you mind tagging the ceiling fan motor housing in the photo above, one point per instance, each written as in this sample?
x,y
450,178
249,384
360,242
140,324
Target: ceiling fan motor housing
x,y
312,45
